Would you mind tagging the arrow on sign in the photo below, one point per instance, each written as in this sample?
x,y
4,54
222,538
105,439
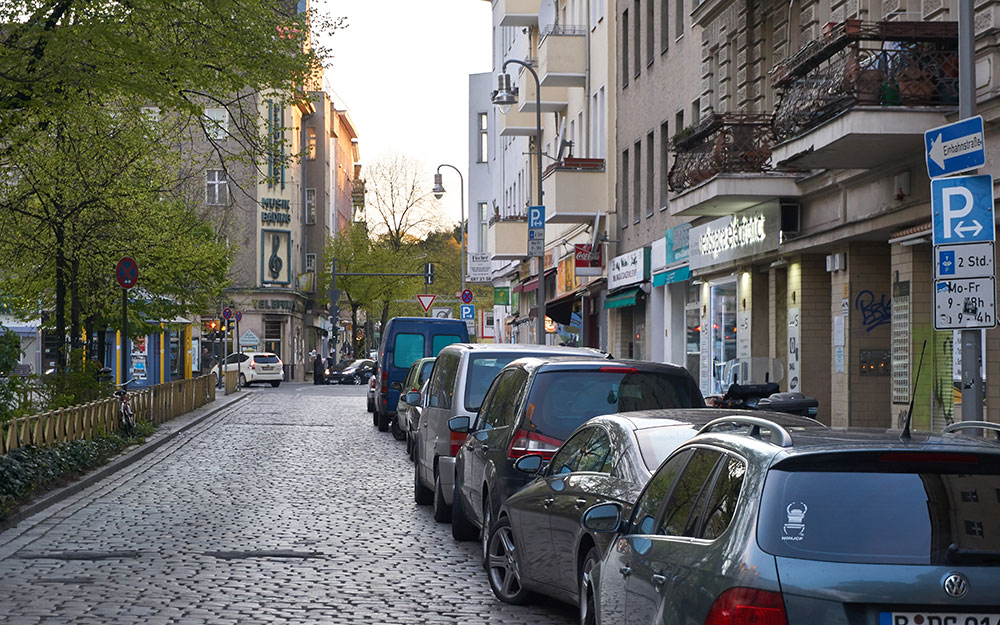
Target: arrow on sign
x,y
961,229
941,150
426,301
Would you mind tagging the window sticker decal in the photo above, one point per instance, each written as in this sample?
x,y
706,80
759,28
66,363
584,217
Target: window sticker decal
x,y
795,528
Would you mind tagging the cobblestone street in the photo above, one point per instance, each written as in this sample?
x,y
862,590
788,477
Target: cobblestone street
x,y
288,507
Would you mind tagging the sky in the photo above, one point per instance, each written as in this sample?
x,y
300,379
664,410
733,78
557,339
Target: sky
x,y
401,67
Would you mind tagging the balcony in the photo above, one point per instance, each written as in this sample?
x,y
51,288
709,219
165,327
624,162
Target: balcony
x,y
509,237
575,190
864,93
554,99
514,123
562,56
518,12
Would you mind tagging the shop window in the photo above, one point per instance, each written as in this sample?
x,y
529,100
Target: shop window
x,y
272,337
722,338
692,319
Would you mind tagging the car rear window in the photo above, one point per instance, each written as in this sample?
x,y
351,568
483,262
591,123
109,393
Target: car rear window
x,y
440,341
265,358
408,348
655,444
481,372
561,401
892,515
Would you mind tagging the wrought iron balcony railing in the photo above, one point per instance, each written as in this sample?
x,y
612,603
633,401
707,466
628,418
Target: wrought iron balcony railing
x,y
721,143
870,64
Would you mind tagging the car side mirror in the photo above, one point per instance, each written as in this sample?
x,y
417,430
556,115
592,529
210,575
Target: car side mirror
x,y
459,425
530,464
603,518
396,386
413,398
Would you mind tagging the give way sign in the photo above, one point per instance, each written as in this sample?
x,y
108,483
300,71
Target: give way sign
x,y
426,301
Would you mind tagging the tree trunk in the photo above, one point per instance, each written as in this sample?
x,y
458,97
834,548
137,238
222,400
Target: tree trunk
x,y
355,342
60,321
75,325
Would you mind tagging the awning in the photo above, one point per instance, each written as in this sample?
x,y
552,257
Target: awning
x,y
560,309
623,298
528,287
679,274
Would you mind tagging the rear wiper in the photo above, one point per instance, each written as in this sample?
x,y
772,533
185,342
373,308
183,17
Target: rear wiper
x,y
954,555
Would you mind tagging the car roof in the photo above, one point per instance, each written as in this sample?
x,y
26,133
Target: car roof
x,y
547,350
532,363
664,417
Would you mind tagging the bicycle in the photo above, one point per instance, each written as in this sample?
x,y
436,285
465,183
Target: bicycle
x,y
126,415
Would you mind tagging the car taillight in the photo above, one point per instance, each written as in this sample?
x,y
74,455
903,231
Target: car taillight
x,y
747,606
528,442
253,364
618,370
457,438
385,382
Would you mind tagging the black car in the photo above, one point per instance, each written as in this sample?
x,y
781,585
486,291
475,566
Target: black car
x,y
538,543
357,372
534,405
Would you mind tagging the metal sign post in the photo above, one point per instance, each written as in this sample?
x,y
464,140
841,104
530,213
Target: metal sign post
x,y
536,247
127,276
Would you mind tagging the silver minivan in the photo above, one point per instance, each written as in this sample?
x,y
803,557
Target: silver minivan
x,y
462,374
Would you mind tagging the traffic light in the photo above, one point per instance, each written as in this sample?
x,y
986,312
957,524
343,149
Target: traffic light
x,y
429,273
211,325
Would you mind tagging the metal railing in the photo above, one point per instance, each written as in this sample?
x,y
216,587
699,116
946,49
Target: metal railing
x,y
721,143
154,404
563,30
869,64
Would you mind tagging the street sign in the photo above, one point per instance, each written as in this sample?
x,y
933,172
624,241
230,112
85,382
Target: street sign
x,y
967,260
536,217
467,311
227,313
962,209
965,304
127,273
249,339
536,231
467,296
955,147
480,267
426,301
442,312
239,316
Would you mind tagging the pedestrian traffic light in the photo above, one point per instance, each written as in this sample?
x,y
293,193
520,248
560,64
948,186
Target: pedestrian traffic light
x,y
429,273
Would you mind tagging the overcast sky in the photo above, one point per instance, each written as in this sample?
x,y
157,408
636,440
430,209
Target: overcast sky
x,y
401,67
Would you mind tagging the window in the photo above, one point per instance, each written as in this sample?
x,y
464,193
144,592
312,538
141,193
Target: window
x,y
310,143
664,26
637,36
637,182
683,512
440,341
650,175
310,262
310,206
692,319
644,517
216,188
595,457
216,123
272,336
679,121
600,8
602,137
722,331
725,495
650,42
568,457
625,59
502,400
480,371
695,111
484,224
484,145
407,349
441,387
664,165
625,194
679,19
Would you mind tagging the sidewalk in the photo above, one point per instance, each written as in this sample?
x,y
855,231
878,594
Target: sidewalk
x,y
164,434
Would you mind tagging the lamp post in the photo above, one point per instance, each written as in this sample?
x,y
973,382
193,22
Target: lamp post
x,y
504,97
438,191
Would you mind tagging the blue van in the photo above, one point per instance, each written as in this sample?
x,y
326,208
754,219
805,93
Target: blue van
x,y
404,341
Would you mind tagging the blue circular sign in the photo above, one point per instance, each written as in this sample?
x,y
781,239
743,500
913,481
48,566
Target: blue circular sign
x,y
227,313
127,273
467,296
239,315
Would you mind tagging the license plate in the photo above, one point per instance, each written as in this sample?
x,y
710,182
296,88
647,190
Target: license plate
x,y
936,618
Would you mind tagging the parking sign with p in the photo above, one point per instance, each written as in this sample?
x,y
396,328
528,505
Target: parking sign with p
x,y
962,209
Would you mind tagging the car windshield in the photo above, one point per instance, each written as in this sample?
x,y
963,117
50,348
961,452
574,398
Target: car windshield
x,y
917,515
482,370
562,400
265,358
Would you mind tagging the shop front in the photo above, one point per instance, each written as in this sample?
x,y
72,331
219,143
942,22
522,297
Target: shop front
x,y
276,322
626,303
669,299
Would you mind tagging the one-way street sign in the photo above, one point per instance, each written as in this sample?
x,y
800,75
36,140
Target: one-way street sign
x,y
955,147
962,209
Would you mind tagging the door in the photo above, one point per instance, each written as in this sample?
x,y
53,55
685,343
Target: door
x,y
435,412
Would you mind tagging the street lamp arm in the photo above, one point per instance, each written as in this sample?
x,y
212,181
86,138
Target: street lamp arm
x,y
461,198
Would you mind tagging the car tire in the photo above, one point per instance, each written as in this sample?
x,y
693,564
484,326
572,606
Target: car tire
x,y
442,511
410,444
371,406
503,565
484,532
383,422
243,380
421,494
461,527
276,383
397,432
375,415
356,379
588,615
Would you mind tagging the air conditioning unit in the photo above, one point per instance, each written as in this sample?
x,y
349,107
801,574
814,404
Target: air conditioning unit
x,y
791,213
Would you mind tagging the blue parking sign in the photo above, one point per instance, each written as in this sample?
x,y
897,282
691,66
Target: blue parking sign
x,y
536,216
467,311
962,209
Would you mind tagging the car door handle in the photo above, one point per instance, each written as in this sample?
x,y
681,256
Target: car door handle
x,y
484,448
580,503
548,501
659,580
625,571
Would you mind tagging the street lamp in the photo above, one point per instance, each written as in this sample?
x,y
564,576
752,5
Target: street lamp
x,y
438,191
504,97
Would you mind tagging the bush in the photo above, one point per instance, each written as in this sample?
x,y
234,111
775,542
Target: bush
x,y
27,472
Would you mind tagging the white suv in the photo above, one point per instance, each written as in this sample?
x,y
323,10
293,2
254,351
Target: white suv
x,y
254,367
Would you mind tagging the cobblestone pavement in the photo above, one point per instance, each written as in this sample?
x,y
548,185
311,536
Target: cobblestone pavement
x,y
288,507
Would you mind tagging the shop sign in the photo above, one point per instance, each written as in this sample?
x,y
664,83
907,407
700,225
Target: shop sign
x,y
275,257
676,243
480,267
566,280
278,305
275,211
501,296
738,236
587,261
629,268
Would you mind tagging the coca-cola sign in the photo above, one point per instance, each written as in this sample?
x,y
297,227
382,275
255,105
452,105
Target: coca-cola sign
x,y
589,262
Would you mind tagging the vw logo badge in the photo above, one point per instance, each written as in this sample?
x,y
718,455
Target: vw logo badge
x,y
956,585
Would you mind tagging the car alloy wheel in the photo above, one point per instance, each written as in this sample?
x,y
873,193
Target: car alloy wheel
x,y
357,380
587,615
243,380
485,534
503,568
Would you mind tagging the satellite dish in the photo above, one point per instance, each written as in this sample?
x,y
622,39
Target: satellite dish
x,y
547,16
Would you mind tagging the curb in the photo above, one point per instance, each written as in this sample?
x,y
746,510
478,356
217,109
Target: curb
x,y
125,459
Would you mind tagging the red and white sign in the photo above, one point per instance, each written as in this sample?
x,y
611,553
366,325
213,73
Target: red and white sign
x,y
426,301
588,263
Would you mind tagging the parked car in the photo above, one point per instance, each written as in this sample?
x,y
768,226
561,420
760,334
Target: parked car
x,y
355,373
371,393
539,544
533,406
404,340
754,522
462,375
400,426
253,367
